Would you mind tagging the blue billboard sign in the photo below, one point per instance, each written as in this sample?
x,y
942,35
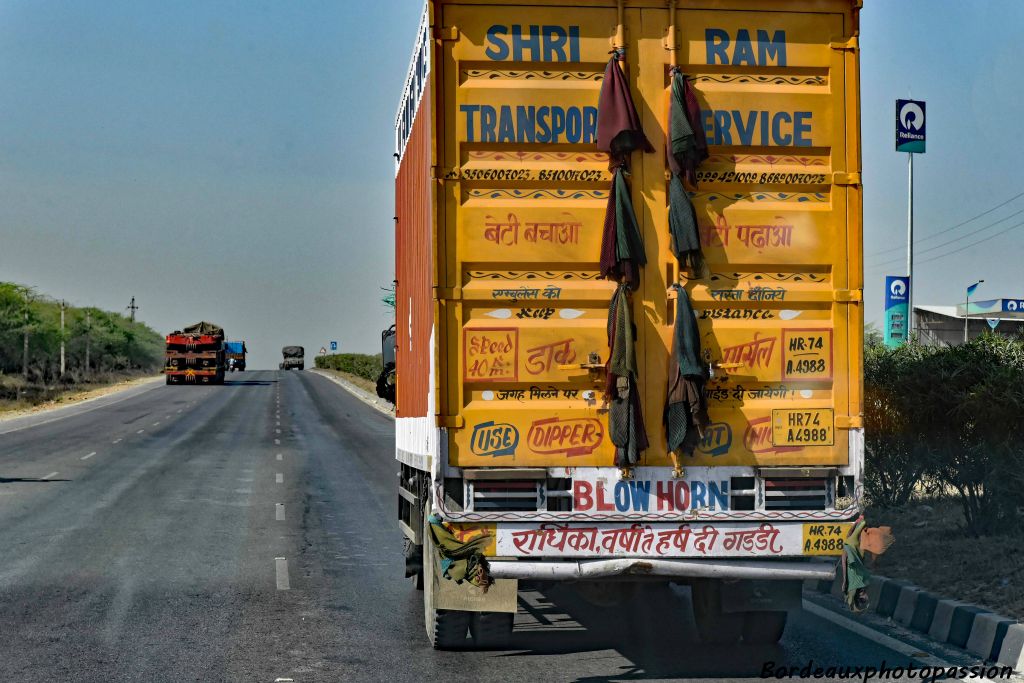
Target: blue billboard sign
x,y
910,135
897,313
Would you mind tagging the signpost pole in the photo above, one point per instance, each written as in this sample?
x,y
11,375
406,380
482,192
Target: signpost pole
x,y
910,243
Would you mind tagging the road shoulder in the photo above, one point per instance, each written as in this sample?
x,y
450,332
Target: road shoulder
x,y
91,400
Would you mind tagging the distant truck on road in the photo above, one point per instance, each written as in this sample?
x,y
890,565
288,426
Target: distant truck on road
x,y
195,355
294,358
234,352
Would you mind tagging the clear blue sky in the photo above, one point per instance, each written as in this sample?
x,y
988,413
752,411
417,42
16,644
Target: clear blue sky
x,y
232,160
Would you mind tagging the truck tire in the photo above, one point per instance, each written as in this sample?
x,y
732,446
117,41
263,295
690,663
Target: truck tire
x,y
446,629
714,625
491,630
764,628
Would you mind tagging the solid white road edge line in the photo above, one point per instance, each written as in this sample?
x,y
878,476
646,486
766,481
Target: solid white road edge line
x,y
281,565
81,412
873,635
86,457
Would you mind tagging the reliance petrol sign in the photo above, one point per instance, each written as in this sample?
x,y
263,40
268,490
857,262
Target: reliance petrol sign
x,y
910,120
897,304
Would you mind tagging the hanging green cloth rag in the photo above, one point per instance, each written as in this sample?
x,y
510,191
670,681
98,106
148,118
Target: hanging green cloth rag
x,y
622,247
686,411
686,146
682,226
625,416
855,574
460,560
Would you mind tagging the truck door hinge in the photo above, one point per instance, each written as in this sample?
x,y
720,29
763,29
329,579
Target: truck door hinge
x,y
448,293
446,32
849,421
852,43
841,178
846,296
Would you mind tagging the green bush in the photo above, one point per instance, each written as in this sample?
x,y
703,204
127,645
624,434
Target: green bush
x,y
948,415
358,364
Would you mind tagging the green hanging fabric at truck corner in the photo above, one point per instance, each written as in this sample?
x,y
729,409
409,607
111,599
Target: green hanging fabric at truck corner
x,y
460,560
855,573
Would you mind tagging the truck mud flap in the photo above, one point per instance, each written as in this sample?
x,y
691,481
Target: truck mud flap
x,y
500,596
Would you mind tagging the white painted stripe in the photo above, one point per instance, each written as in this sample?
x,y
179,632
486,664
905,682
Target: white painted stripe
x,y
279,477
51,475
874,636
80,412
278,423
117,440
86,457
281,565
279,456
279,512
277,431
277,442
156,423
140,431
179,410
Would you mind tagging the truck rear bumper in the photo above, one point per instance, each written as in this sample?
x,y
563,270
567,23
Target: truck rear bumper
x,y
583,570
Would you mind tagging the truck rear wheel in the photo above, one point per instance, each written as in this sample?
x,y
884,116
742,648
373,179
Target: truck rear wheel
x,y
446,629
764,628
491,629
714,625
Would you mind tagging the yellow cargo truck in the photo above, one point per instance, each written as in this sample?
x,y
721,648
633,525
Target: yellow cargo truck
x,y
508,465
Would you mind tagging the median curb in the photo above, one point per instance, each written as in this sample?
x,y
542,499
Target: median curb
x,y
976,629
366,397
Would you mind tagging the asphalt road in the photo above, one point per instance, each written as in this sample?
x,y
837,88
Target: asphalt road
x,y
247,533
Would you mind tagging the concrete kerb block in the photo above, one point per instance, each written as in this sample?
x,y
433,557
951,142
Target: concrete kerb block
x,y
890,594
942,619
906,604
875,586
986,630
924,611
1011,653
962,624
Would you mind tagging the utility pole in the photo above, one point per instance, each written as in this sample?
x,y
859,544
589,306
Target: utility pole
x,y
132,307
88,338
62,366
24,352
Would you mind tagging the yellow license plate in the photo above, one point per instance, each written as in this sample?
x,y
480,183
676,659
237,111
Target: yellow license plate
x,y
808,427
824,538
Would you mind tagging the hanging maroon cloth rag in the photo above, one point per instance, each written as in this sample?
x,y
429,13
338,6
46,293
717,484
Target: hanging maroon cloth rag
x,y
622,247
618,124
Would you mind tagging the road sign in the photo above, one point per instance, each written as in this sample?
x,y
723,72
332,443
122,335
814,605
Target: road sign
x,y
910,136
897,288
334,346
992,322
323,351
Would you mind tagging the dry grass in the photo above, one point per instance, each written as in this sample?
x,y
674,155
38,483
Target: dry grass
x,y
361,382
12,409
932,551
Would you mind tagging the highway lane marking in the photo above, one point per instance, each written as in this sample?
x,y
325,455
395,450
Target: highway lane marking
x,y
279,512
179,410
281,565
277,431
874,636
279,478
277,442
278,423
117,440
140,431
279,456
86,457
82,412
156,423
51,475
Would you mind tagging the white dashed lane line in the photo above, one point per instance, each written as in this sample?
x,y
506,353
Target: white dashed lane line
x,y
281,565
117,441
279,478
277,442
279,512
51,475
279,456
156,423
277,431
140,431
86,457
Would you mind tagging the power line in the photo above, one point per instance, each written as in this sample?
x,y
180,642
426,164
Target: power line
x,y
954,227
963,248
953,241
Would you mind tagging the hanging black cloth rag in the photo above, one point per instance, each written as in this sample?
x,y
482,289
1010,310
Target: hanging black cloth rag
x,y
686,410
618,124
687,147
625,417
622,247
